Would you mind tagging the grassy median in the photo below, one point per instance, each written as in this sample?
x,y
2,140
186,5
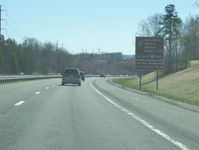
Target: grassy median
x,y
182,86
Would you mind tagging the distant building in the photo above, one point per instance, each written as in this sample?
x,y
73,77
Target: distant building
x,y
128,56
111,56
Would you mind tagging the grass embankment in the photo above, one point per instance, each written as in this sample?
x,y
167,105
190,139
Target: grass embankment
x,y
182,86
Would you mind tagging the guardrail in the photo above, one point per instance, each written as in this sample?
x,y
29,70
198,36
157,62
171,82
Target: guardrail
x,y
17,78
6,79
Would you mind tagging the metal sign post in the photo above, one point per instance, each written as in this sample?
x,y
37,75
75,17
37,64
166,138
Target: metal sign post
x,y
157,80
140,80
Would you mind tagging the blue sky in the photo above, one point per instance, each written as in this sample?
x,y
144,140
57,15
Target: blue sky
x,y
85,25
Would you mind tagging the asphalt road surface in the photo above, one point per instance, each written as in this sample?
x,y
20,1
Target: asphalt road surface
x,y
44,115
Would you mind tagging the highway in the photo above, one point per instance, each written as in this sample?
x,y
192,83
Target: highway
x,y
44,115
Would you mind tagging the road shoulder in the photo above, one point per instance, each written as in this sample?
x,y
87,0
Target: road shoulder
x,y
171,101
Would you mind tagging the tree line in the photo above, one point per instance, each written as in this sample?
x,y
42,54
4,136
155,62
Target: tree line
x,y
35,57
181,39
32,57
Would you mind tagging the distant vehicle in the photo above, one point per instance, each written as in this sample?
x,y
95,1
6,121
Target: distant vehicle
x,y
71,76
102,75
21,73
82,75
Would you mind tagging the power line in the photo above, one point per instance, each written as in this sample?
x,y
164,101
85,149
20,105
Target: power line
x,y
16,29
19,27
13,28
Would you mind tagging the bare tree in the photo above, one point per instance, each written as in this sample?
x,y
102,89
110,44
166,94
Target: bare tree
x,y
197,3
191,31
150,26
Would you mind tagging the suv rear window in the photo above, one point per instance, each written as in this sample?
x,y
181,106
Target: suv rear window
x,y
71,71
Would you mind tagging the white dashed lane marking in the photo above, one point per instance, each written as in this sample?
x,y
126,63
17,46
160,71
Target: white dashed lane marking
x,y
37,93
19,103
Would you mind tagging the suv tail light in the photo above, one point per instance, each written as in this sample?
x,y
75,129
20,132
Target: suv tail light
x,y
77,76
66,76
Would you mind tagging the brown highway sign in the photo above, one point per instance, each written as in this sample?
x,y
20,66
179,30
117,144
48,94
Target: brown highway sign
x,y
149,52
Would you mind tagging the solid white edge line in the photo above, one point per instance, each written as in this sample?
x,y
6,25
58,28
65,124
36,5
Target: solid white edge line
x,y
148,125
19,103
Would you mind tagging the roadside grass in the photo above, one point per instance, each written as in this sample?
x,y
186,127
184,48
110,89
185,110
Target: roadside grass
x,y
182,86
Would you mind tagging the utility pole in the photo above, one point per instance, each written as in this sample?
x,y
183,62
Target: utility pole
x,y
1,20
57,45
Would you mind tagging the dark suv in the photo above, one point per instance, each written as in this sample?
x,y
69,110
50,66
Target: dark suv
x,y
71,76
82,75
102,75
